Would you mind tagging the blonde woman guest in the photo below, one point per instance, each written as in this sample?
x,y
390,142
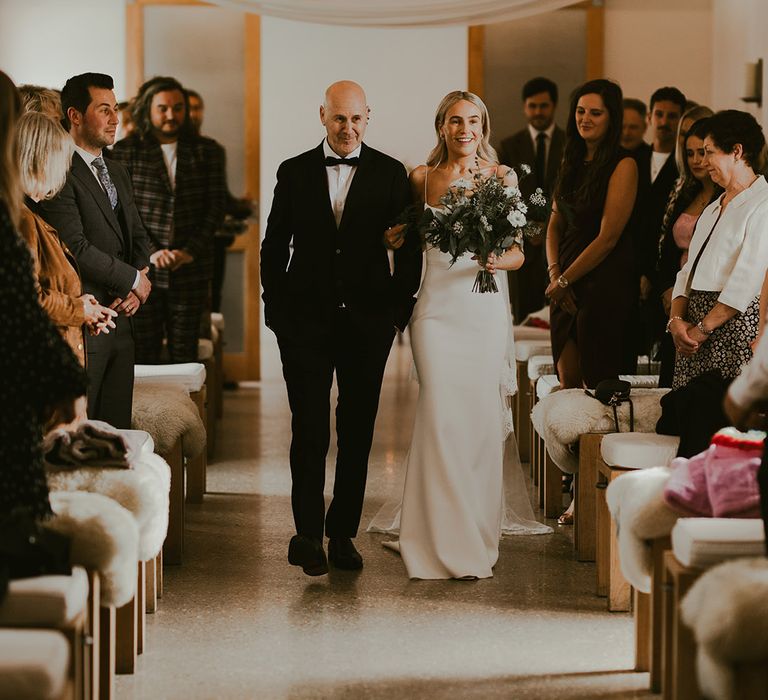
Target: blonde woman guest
x,y
715,307
45,153
453,506
35,98
693,192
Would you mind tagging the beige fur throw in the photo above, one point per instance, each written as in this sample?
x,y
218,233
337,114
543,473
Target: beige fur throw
x,y
104,538
142,490
561,418
167,413
727,609
636,502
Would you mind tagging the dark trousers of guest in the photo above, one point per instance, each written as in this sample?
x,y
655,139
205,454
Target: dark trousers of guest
x,y
220,245
172,314
109,364
527,285
762,480
356,350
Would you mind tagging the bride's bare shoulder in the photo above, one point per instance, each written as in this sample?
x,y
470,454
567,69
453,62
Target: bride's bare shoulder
x,y
418,174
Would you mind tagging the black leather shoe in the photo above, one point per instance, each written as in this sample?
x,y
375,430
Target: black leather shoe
x,y
343,554
309,554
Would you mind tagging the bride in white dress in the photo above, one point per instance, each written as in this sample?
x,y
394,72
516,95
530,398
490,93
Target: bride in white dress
x,y
463,484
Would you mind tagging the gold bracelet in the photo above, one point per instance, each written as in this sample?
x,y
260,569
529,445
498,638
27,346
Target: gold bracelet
x,y
549,267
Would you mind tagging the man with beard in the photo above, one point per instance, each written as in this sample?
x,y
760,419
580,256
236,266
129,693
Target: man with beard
x,y
95,215
179,182
657,173
540,146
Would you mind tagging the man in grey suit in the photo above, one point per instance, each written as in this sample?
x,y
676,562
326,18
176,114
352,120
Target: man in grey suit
x,y
540,146
96,217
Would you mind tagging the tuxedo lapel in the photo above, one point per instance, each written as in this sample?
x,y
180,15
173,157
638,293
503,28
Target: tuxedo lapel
x,y
83,173
318,187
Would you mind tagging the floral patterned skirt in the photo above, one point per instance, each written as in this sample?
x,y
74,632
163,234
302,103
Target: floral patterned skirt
x,y
729,347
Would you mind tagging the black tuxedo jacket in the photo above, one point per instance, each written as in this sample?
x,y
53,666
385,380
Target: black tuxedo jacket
x,y
109,245
520,148
328,266
650,205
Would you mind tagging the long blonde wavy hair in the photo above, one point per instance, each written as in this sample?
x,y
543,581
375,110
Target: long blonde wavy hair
x,y
45,154
484,150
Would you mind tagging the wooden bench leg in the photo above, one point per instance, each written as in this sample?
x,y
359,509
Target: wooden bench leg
x,y
552,487
141,607
602,535
619,590
584,492
642,611
126,637
160,574
150,589
196,468
174,540
658,547
106,653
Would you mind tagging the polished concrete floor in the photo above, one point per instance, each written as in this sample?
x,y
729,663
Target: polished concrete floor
x,y
237,622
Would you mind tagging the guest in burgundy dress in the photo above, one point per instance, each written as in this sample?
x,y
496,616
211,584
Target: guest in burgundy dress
x,y
589,257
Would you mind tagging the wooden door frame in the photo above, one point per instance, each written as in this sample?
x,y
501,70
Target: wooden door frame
x,y
245,365
595,47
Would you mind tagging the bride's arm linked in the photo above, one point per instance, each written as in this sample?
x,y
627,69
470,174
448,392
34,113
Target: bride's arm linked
x,y
394,236
513,257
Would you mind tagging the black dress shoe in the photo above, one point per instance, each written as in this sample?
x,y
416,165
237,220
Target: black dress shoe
x,y
309,554
343,554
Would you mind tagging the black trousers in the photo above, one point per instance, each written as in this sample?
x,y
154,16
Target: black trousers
x,y
355,349
109,365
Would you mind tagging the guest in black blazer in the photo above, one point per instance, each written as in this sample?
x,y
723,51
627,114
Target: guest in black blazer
x,y
657,173
96,217
540,146
333,304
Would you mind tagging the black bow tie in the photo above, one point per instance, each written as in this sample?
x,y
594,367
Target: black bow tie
x,y
331,161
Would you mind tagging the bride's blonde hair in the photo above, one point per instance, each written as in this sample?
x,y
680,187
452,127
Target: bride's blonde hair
x,y
440,152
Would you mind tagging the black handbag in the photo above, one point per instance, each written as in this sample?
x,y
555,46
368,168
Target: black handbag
x,y
613,393
29,549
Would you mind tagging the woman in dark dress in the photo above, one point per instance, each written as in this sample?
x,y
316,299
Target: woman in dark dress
x,y
41,378
591,288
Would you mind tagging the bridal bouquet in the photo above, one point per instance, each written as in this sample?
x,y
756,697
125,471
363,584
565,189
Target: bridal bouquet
x,y
481,216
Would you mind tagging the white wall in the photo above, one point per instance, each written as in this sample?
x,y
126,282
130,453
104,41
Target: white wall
x,y
654,43
44,42
738,38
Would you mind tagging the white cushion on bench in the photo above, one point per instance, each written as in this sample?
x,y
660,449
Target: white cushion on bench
x,y
638,450
546,385
522,333
190,375
45,601
525,349
641,381
33,664
204,349
140,442
704,542
539,365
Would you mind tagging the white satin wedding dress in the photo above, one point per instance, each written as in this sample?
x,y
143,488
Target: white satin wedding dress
x,y
464,485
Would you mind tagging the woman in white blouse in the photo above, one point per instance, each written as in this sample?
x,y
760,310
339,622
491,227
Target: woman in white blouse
x,y
715,301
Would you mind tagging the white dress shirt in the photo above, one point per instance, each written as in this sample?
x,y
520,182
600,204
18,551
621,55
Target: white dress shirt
x,y
547,141
736,258
169,157
89,158
339,180
658,161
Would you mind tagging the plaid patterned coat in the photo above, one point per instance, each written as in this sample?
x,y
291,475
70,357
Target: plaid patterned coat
x,y
186,218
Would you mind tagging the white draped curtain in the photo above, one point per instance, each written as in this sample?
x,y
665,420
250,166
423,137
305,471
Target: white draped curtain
x,y
396,13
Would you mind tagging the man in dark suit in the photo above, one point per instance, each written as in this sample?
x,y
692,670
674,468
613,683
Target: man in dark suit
x,y
540,146
96,217
180,186
657,174
334,304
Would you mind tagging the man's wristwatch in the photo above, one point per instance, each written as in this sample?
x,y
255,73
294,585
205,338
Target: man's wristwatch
x,y
562,281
